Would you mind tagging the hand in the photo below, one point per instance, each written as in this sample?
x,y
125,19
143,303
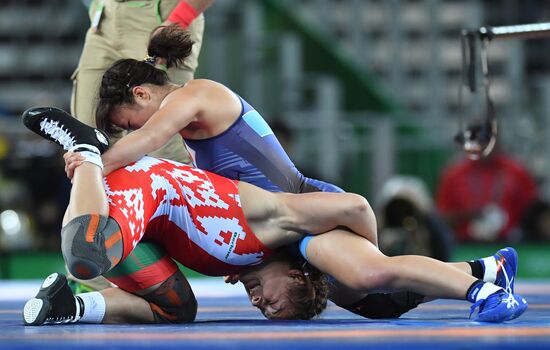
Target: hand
x,y
72,161
166,23
233,279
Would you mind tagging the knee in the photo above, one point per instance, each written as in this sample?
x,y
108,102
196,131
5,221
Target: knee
x,y
173,301
183,313
378,275
83,246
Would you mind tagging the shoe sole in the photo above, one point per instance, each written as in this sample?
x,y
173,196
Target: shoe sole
x,y
36,309
35,312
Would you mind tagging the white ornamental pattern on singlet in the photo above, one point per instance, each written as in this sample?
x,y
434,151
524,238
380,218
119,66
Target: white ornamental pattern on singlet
x,y
131,203
200,193
195,197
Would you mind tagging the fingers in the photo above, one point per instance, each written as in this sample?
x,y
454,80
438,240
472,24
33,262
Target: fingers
x,y
72,161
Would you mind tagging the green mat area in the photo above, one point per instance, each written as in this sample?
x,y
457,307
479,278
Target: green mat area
x,y
534,261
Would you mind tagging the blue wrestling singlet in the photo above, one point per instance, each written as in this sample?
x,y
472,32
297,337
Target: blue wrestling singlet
x,y
249,151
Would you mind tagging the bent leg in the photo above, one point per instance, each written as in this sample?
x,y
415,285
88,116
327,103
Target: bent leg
x,y
356,263
172,301
91,241
87,194
91,245
151,275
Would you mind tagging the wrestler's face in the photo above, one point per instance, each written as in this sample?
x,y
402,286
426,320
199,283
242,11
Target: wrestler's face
x,y
131,117
267,288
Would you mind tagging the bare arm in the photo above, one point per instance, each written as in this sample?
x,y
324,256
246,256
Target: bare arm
x,y
163,124
320,212
278,219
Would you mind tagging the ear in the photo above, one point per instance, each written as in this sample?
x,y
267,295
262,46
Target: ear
x,y
297,275
140,93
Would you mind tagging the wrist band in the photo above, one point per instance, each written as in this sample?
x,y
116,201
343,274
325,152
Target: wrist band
x,y
183,14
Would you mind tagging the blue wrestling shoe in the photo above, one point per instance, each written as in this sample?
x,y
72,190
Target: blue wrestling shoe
x,y
507,268
499,307
62,128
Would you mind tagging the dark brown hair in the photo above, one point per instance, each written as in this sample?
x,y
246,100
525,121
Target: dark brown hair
x,y
171,43
308,299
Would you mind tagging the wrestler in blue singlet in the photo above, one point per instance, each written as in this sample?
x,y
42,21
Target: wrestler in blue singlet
x,y
249,151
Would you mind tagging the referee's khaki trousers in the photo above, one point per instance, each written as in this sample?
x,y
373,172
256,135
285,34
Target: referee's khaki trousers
x,y
123,32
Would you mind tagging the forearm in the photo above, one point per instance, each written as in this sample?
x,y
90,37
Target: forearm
x,y
320,212
129,149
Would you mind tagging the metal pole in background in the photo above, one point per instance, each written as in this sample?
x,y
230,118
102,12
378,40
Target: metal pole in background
x,y
520,31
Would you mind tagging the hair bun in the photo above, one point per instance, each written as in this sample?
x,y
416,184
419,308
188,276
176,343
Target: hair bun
x,y
172,43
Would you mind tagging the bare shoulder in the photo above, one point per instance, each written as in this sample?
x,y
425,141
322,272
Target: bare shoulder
x,y
206,95
203,84
211,90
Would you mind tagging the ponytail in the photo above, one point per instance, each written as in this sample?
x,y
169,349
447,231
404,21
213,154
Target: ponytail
x,y
170,44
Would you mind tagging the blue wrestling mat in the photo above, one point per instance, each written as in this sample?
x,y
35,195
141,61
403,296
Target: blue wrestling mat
x,y
227,321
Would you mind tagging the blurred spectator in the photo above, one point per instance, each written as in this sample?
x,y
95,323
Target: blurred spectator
x,y
484,200
409,222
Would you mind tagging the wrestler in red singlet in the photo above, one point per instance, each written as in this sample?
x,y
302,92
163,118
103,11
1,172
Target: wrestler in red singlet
x,y
194,215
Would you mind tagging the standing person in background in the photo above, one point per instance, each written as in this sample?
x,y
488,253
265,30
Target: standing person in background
x,y
485,200
121,29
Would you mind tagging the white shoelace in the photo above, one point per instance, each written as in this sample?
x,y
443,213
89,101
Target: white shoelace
x,y
510,301
57,132
509,281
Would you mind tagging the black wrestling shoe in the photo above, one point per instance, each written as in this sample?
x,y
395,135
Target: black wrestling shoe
x,y
62,128
54,303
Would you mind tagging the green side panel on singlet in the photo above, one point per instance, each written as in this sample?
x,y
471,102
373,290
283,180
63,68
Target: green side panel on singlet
x,y
143,255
